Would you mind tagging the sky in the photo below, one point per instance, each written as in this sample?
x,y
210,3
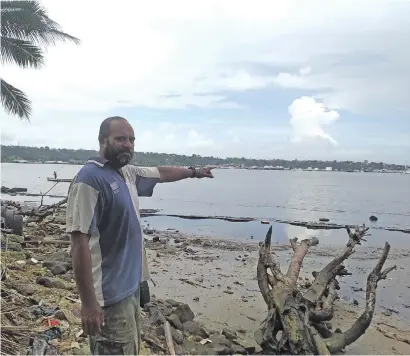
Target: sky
x,y
289,79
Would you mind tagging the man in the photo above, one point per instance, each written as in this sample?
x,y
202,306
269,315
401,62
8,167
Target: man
x,y
106,237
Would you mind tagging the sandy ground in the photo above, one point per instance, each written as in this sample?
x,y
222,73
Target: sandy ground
x,y
217,278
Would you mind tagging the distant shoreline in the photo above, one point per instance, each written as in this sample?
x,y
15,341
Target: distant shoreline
x,y
310,169
23,154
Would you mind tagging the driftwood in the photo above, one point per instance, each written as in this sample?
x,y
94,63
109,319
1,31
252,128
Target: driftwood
x,y
168,338
297,321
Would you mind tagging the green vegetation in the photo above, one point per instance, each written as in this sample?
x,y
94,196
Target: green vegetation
x,y
42,154
26,31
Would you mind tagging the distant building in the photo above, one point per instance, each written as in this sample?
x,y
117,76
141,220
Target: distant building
x,y
329,169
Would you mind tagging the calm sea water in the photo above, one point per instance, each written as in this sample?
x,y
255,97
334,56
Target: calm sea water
x,y
344,198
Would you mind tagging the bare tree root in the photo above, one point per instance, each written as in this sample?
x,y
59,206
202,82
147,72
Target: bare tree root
x,y
339,341
285,330
298,323
335,266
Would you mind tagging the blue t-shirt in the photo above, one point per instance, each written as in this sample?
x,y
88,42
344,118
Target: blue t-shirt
x,y
103,203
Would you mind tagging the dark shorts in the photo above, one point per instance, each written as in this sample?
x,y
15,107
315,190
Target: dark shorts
x,y
120,334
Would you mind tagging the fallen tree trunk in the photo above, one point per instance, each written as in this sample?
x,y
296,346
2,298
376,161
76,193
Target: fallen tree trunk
x,y
295,323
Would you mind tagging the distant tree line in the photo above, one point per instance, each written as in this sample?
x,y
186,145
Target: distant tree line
x,y
42,154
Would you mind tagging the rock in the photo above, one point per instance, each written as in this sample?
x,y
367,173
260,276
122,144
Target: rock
x,y
229,334
84,350
184,313
173,303
355,302
68,277
220,339
14,246
56,267
175,322
150,308
238,349
157,318
60,315
166,309
58,284
228,291
44,281
373,218
196,299
196,338
61,256
195,328
32,261
250,348
241,330
178,350
25,289
177,336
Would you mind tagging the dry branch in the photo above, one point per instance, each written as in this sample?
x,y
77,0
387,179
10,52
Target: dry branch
x,y
44,210
339,341
325,313
287,312
299,254
296,323
335,266
168,338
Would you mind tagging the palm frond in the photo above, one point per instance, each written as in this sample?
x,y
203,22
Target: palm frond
x,y
21,52
32,6
14,101
28,20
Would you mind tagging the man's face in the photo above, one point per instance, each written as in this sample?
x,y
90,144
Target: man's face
x,y
118,147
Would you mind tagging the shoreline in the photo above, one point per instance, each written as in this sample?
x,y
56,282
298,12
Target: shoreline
x,y
216,277
319,224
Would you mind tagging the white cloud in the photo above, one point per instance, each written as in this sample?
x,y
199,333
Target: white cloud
x,y
181,54
308,118
135,53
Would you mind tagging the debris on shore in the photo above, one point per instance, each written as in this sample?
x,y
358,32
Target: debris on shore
x,y
41,306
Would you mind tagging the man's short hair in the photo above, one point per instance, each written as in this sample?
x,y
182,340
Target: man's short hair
x,y
105,126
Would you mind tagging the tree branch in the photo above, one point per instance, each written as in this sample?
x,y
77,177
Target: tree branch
x,y
266,262
300,251
330,271
327,310
339,341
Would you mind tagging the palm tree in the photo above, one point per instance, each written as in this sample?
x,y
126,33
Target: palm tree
x,y
26,30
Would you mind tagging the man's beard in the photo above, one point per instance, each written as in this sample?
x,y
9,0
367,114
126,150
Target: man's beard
x,y
118,157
